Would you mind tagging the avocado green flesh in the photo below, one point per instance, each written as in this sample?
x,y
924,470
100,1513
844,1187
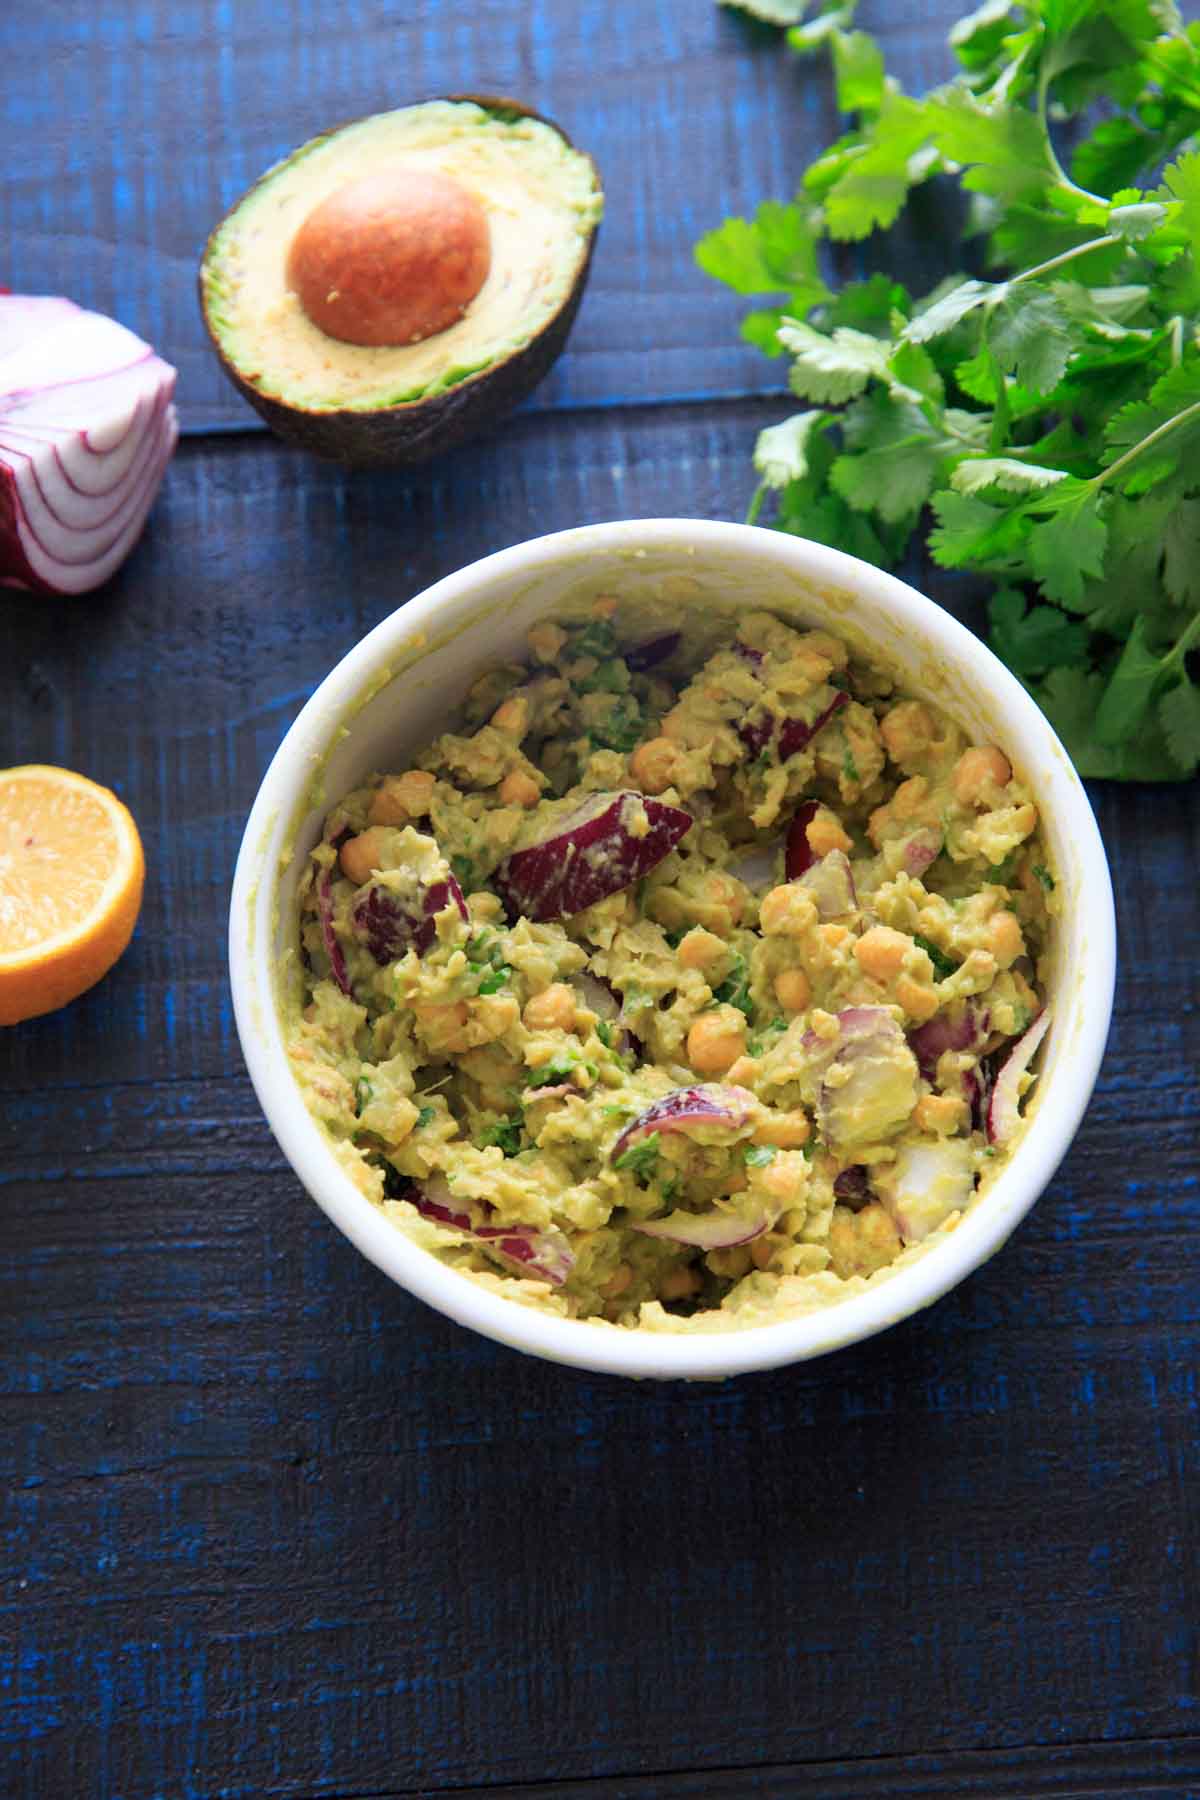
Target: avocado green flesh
x,y
542,202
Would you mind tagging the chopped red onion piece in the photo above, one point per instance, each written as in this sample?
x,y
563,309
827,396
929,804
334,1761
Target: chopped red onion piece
x,y
649,655
1004,1110
797,734
963,1027
711,1230
389,921
686,1109
868,1077
921,849
800,854
86,431
333,950
606,844
831,883
544,1254
925,1184
852,1186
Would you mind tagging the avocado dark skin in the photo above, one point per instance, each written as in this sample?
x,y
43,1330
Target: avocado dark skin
x,y
416,430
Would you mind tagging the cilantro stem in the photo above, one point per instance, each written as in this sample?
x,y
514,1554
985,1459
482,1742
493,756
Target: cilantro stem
x,y
1189,635
1176,341
1154,437
1066,256
756,504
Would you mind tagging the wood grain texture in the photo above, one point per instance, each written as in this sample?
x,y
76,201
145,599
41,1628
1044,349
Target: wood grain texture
x,y
275,1529
150,120
270,1527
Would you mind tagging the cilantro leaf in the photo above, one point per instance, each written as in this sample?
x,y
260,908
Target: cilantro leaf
x,y
949,307
858,67
980,473
1065,550
780,452
834,368
641,1159
1031,338
504,1133
1035,639
773,253
1005,149
943,966
1179,713
757,1156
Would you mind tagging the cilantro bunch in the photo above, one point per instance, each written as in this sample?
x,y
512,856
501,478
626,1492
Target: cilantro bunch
x,y
1043,424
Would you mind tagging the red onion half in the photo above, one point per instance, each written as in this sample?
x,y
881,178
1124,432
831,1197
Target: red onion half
x,y
86,431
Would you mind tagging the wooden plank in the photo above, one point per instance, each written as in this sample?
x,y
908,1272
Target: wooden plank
x,y
273,1528
149,121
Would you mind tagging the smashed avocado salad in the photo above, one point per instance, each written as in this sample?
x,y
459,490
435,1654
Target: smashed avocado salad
x,y
677,997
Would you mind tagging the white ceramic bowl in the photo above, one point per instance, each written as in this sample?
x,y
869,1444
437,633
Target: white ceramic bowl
x,y
397,689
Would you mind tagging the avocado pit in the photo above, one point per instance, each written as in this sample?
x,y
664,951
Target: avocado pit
x,y
392,258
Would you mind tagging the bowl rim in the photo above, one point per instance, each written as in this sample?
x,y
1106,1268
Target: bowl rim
x,y
583,1343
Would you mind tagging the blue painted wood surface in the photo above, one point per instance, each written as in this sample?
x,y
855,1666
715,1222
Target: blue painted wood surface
x,y
270,1527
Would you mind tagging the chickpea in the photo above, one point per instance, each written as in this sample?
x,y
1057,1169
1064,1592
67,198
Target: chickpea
x,y
679,1284
878,823
785,1178
833,934
402,797
496,1013
700,949
918,1002
653,765
942,1113
793,990
716,1040
824,644
512,716
880,952
360,856
443,1027
674,726
546,641
979,772
824,833
908,797
907,730
1004,938
784,1130
742,1074
485,909
763,1249
551,1010
787,911
860,1243
519,789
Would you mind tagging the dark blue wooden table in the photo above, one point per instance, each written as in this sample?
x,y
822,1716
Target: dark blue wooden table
x,y
270,1527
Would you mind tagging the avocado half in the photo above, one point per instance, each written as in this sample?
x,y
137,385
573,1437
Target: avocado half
x,y
368,402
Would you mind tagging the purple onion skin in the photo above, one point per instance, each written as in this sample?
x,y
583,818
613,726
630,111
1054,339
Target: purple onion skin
x,y
794,734
588,856
967,1030
800,855
797,735
519,1244
648,656
388,928
333,950
852,1187
747,652
683,1108
977,1090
